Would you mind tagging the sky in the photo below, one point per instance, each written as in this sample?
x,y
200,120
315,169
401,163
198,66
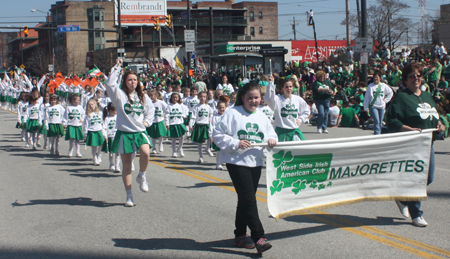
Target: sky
x,y
328,15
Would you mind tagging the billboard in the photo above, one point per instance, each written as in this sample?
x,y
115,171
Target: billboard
x,y
305,50
140,12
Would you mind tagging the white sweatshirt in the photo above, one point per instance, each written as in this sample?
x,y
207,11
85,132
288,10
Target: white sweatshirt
x,y
33,113
130,116
227,89
191,102
214,120
21,110
286,110
109,124
160,109
384,97
54,115
74,116
267,111
43,109
237,124
175,113
93,122
201,114
212,103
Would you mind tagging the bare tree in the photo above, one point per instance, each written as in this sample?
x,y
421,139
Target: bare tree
x,y
383,22
38,61
104,59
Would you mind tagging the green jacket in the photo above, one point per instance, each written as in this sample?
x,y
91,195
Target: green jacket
x,y
321,95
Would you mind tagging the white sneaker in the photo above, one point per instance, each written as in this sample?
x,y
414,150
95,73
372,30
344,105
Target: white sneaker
x,y
419,222
181,152
117,169
219,167
210,153
174,155
325,131
96,163
319,131
52,152
154,151
38,144
129,203
161,148
200,160
142,181
112,168
27,145
99,158
79,155
403,209
132,167
69,155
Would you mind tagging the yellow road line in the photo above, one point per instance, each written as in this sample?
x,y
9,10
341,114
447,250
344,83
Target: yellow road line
x,y
349,227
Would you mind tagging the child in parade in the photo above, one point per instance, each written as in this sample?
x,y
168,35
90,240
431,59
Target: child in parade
x,y
234,134
232,100
135,113
158,130
53,121
33,120
290,111
225,86
21,110
221,107
217,95
174,116
109,125
199,123
93,130
73,119
210,99
43,109
190,102
266,109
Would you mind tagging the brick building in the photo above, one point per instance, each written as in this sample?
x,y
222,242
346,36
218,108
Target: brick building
x,y
5,48
20,48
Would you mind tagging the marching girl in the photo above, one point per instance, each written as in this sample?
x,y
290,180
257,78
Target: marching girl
x,y
87,95
266,109
33,119
135,113
190,102
210,99
234,134
199,123
53,121
225,86
73,119
217,95
43,109
290,111
174,114
233,97
109,125
221,107
158,130
21,110
93,130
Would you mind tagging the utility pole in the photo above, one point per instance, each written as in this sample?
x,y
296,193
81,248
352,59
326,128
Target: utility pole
x,y
389,31
364,35
347,22
211,37
189,83
293,28
358,16
120,24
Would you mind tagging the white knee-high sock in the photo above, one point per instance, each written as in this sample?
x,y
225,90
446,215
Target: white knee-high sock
x,y
56,145
160,142
174,143
51,143
77,146
33,138
200,147
154,143
94,152
180,142
117,158
217,158
208,144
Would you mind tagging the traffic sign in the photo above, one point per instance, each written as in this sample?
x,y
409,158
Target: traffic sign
x,y
120,50
190,46
364,44
22,66
68,28
50,68
189,35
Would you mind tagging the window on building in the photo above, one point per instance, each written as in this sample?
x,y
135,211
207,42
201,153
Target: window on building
x,y
96,16
97,46
221,31
252,31
252,16
260,30
221,16
260,15
102,16
97,33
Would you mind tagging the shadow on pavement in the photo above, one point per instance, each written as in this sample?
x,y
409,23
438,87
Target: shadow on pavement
x,y
203,184
219,246
103,175
80,201
35,253
439,195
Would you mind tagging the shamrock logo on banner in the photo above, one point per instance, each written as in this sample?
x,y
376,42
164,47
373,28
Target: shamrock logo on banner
x,y
289,109
298,186
425,110
281,158
203,113
133,109
277,185
251,133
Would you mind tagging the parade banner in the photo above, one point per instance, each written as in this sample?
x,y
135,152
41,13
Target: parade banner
x,y
317,174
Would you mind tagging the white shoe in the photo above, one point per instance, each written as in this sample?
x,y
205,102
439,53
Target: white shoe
x,y
319,131
200,160
419,222
117,169
219,167
79,155
38,144
181,152
403,209
142,181
154,151
34,148
112,168
52,152
325,131
161,148
96,163
27,145
132,167
174,155
210,153
129,203
99,158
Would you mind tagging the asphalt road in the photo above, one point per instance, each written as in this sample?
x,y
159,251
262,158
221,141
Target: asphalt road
x,y
60,207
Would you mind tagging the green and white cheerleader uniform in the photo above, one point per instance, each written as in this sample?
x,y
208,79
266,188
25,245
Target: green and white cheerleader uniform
x,y
201,117
21,110
132,117
109,125
93,129
54,120
287,111
174,119
267,111
43,110
190,102
74,117
158,128
227,88
214,120
33,117
74,90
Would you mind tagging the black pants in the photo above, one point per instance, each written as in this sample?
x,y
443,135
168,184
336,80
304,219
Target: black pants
x,y
245,181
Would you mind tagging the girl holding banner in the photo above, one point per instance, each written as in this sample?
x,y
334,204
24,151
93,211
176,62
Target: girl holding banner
x,y
410,110
375,99
234,134
290,111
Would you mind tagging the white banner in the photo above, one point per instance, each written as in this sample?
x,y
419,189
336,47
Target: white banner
x,y
317,174
141,12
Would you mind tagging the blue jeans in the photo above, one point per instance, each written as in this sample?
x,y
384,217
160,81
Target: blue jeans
x,y
414,206
322,119
377,116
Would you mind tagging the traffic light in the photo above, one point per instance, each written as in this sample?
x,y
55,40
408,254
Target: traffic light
x,y
169,21
156,23
25,31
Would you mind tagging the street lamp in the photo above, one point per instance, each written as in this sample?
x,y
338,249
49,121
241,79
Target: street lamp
x,y
50,42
